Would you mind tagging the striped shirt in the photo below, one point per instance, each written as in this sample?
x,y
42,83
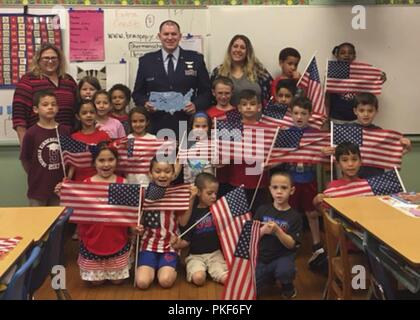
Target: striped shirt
x,y
23,114
157,235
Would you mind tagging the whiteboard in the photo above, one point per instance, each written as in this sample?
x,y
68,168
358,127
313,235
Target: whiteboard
x,y
129,33
389,42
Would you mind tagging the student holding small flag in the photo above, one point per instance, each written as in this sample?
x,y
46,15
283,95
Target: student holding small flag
x,y
366,108
88,134
349,160
204,253
104,248
303,174
161,209
199,158
40,151
139,124
340,103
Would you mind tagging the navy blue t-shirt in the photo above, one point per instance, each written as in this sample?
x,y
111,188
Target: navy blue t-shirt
x,y
341,106
203,238
270,247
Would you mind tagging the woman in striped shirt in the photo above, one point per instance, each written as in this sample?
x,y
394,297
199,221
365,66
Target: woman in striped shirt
x,y
47,72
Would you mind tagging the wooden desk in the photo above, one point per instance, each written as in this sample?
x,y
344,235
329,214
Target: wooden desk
x,y
30,223
394,228
390,235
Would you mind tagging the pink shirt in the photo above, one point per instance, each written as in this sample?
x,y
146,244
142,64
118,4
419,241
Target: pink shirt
x,y
112,127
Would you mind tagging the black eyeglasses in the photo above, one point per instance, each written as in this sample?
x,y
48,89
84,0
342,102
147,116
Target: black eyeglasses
x,y
47,59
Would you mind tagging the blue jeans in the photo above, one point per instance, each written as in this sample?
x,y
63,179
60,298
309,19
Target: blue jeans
x,y
282,269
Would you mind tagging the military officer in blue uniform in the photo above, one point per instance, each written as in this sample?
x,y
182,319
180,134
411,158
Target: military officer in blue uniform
x,y
172,69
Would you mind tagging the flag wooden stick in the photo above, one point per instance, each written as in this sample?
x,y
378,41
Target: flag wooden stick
x,y
306,68
399,179
192,227
332,145
61,151
265,164
138,236
180,144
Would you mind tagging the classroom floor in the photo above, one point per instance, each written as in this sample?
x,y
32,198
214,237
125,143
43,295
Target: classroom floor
x,y
309,285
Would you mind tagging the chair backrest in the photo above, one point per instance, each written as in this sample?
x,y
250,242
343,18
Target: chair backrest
x,y
52,254
17,289
336,247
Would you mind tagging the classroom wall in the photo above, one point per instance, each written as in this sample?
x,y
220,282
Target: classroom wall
x,y
13,178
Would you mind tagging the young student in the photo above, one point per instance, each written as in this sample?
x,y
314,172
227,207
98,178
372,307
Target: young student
x,y
285,91
104,249
204,246
200,131
349,161
40,151
222,90
289,59
280,236
87,88
120,99
139,121
340,105
87,133
249,107
366,108
156,255
305,180
111,126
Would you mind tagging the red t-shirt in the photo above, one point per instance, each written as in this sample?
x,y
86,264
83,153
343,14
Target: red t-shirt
x,y
214,112
239,176
97,136
41,152
103,239
341,182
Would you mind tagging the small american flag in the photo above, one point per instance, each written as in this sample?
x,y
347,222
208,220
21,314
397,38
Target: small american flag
x,y
241,284
98,202
378,147
237,141
76,153
299,146
174,198
311,83
345,77
279,115
229,215
274,113
201,150
135,154
7,244
383,184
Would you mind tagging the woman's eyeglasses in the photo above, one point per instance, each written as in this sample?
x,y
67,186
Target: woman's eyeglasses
x,y
47,59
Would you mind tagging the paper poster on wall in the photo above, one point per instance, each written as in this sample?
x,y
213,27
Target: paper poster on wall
x,y
108,74
86,35
21,35
190,42
6,125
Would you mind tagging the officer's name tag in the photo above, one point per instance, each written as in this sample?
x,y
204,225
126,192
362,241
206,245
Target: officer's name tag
x,y
150,79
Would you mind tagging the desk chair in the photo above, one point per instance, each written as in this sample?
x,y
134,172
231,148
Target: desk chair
x,y
52,255
18,288
340,261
